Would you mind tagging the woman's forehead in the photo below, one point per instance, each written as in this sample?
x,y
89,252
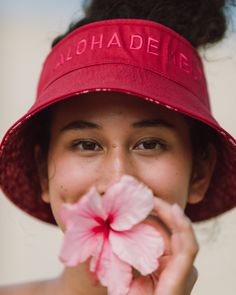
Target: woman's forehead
x,y
106,104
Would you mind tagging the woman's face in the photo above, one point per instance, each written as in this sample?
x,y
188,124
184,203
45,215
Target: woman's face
x,y
98,137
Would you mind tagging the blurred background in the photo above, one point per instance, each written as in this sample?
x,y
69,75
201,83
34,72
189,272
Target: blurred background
x,y
29,248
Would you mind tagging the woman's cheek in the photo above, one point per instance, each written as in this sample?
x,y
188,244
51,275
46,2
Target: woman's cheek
x,y
68,182
168,184
70,178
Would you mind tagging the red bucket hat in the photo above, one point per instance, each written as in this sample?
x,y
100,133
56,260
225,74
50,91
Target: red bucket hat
x,y
137,57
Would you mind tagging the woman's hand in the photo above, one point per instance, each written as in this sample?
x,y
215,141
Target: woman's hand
x,y
176,274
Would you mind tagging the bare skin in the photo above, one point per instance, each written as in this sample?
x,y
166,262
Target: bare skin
x,y
94,141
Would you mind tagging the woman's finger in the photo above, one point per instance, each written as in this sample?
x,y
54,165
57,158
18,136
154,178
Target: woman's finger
x,y
177,274
142,286
182,235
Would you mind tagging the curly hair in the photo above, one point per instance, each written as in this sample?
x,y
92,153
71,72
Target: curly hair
x,y
200,22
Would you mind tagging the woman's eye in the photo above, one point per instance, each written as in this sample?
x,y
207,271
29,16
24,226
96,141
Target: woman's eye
x,y
151,144
86,145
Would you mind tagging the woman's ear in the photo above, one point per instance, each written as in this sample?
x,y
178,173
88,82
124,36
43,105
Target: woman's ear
x,y
41,164
202,174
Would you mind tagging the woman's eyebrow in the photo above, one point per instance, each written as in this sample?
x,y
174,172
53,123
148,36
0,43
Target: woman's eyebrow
x,y
153,123
80,124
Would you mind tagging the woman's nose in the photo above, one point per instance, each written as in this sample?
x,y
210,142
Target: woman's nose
x,y
115,165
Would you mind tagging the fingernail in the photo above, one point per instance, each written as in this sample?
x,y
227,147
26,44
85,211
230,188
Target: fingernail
x,y
177,211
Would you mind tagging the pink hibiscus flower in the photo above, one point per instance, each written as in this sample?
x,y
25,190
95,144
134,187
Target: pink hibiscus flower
x,y
109,230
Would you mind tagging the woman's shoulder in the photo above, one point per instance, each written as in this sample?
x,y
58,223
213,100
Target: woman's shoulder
x,y
33,288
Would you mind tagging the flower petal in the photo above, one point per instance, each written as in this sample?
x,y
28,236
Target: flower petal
x,y
113,273
80,239
79,244
89,206
128,202
141,247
